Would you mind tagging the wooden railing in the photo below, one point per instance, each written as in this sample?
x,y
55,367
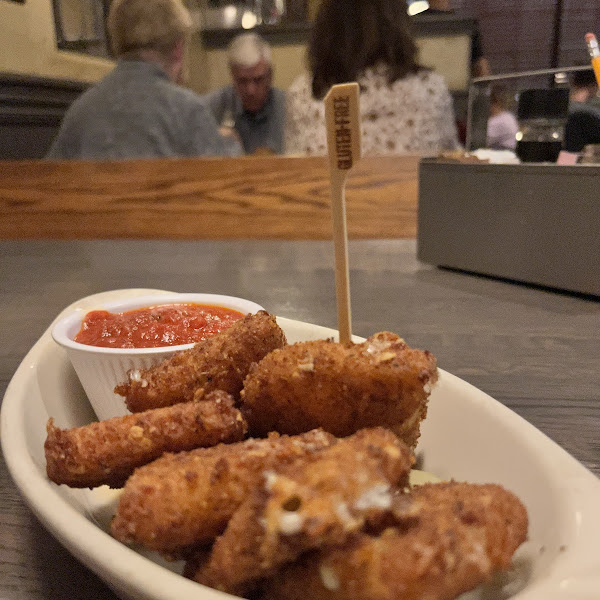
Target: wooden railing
x,y
252,198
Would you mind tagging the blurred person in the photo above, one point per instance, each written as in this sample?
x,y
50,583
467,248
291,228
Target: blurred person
x,y
251,107
502,125
404,106
583,121
480,67
584,89
139,110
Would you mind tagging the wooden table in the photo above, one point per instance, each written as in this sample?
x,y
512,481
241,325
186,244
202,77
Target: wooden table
x,y
262,197
535,351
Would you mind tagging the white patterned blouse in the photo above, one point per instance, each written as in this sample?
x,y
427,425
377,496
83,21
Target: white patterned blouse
x,y
413,114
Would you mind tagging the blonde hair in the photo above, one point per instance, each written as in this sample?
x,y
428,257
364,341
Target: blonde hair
x,y
247,50
158,25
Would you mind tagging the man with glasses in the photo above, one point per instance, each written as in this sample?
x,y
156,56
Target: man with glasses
x,y
250,108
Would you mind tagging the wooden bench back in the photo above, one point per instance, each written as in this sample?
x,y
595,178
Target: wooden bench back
x,y
218,198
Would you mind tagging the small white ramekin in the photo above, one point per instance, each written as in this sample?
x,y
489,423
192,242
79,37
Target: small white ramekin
x,y
101,369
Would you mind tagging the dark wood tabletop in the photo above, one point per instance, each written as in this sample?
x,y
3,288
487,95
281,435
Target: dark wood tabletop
x,y
536,351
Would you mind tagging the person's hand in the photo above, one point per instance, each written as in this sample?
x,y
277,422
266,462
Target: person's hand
x,y
230,132
481,67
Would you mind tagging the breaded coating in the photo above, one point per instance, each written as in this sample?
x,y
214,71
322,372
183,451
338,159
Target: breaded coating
x,y
107,452
315,502
185,500
220,362
448,538
341,388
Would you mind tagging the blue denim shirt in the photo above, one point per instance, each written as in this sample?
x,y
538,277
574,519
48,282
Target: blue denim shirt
x,y
137,112
263,129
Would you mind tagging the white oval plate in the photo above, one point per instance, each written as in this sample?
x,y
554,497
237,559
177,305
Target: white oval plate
x,y
467,436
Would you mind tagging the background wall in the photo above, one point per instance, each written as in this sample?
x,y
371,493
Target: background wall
x,y
448,54
535,34
516,35
28,45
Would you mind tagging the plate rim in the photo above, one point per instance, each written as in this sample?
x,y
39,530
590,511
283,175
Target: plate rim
x,y
130,571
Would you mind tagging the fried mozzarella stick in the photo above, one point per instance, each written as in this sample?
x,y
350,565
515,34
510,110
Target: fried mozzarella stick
x,y
107,452
183,500
447,539
315,502
218,363
341,388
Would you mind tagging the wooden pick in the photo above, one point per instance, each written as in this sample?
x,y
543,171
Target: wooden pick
x,y
342,118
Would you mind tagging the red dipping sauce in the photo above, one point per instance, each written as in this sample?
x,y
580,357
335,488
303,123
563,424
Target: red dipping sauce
x,y
155,326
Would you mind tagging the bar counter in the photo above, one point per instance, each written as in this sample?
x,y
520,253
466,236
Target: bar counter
x,y
533,349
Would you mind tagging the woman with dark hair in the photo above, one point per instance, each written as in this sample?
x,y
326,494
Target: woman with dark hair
x,y
404,106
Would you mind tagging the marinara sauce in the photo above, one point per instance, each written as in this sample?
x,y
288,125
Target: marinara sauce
x,y
155,326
